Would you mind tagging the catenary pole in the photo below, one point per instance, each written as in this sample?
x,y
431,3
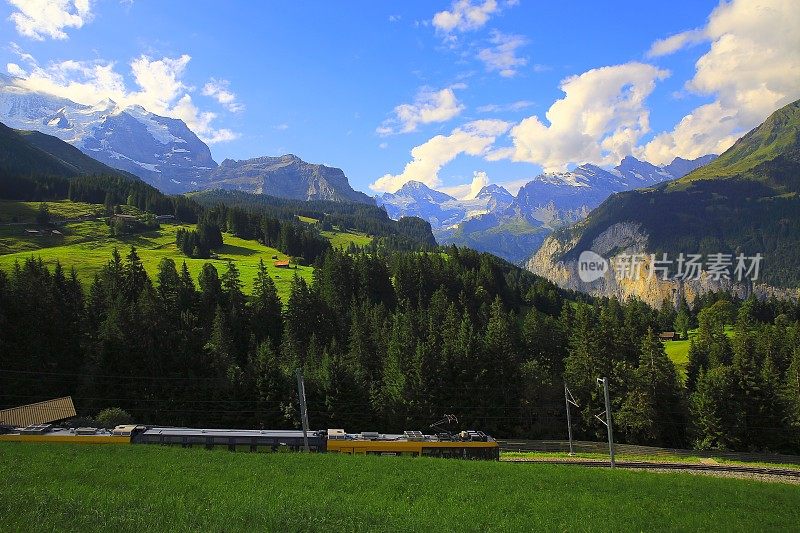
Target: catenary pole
x,y
301,392
569,419
609,425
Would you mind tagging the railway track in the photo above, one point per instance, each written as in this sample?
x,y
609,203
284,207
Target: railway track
x,y
645,465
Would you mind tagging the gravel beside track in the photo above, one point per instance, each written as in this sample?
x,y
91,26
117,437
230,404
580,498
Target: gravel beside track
x,y
760,473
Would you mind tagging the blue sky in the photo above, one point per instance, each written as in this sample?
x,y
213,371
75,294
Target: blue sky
x,y
481,91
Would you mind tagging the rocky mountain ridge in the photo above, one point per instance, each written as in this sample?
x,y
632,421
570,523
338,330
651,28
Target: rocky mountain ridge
x,y
513,227
285,176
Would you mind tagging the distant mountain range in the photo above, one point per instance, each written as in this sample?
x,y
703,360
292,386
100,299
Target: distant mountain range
x,y
513,227
747,201
163,151
442,210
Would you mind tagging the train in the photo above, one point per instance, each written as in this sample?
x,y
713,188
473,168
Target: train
x,y
460,445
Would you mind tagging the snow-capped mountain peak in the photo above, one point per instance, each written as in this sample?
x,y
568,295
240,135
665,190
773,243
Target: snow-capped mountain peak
x,y
546,202
418,191
494,191
162,151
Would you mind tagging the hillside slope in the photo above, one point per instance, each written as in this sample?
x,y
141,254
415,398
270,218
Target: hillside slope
x,y
410,233
29,153
744,202
19,157
71,156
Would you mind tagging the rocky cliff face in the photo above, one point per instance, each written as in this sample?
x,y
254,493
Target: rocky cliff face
x,y
286,176
558,260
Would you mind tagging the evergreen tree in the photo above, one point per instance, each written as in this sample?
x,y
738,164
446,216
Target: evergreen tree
x,y
272,385
712,418
667,316
220,344
210,293
266,307
186,290
136,279
793,390
43,214
168,285
682,322
653,411
502,357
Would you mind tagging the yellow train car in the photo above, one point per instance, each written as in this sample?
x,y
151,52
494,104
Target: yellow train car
x,y
48,433
465,445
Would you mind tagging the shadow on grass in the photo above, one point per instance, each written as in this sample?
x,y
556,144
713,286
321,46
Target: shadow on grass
x,y
231,249
140,240
17,212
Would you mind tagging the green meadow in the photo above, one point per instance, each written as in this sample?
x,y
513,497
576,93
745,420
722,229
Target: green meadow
x,y
342,239
148,488
339,239
87,247
12,211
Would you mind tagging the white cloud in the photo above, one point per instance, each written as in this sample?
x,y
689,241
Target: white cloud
x,y
159,80
17,49
673,43
429,106
479,180
500,108
200,121
468,191
706,130
502,56
15,70
218,89
464,16
599,120
474,138
752,69
159,88
39,19
383,146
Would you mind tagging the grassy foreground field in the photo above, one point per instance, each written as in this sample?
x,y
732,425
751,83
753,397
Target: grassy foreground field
x,y
70,487
87,246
